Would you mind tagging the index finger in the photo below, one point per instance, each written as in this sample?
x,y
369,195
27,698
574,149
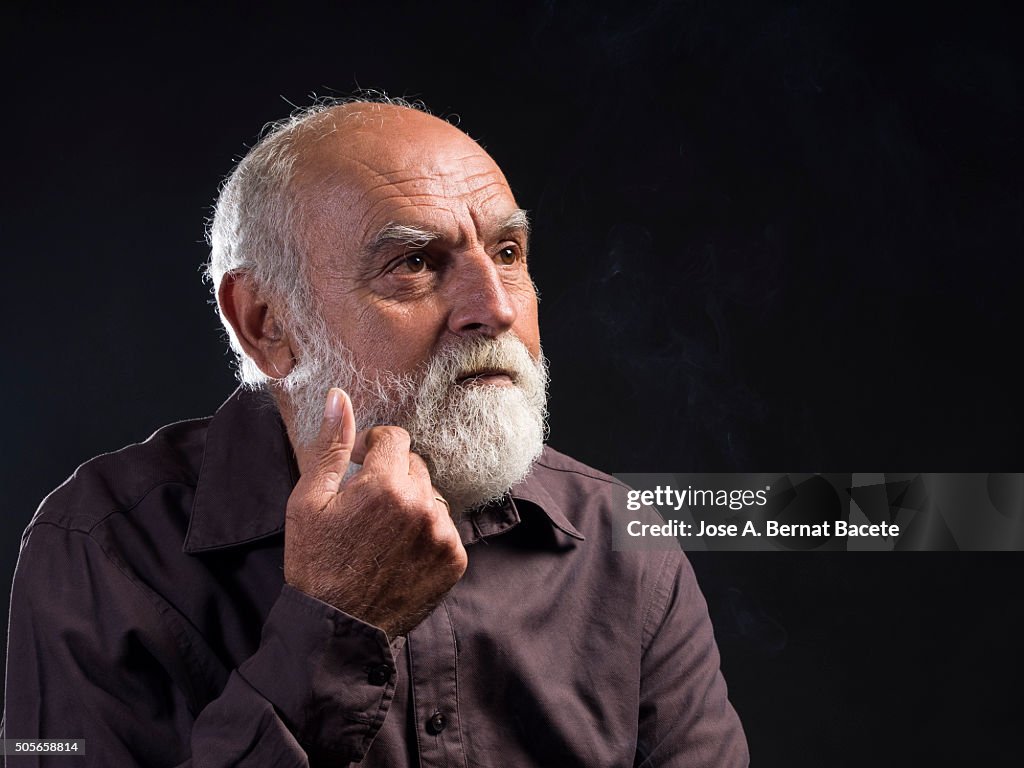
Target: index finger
x,y
385,449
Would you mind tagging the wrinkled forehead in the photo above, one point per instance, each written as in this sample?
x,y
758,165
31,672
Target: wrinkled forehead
x,y
416,171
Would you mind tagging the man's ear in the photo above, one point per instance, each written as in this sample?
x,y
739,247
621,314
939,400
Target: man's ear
x,y
257,325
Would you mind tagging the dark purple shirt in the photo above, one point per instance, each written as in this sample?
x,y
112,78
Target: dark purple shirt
x,y
149,617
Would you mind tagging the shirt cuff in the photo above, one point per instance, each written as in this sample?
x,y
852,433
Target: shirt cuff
x,y
330,676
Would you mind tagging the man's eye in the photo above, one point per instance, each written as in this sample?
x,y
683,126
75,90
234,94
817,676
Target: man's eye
x,y
413,262
508,255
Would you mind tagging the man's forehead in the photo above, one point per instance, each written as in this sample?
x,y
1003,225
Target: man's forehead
x,y
424,176
428,179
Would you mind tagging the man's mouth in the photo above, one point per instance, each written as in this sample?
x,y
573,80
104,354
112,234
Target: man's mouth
x,y
492,376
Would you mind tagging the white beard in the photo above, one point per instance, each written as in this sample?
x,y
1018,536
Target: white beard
x,y
478,440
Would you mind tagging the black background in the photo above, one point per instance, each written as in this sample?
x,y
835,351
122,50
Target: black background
x,y
769,237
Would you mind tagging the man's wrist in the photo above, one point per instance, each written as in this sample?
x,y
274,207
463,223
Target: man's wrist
x,y
330,676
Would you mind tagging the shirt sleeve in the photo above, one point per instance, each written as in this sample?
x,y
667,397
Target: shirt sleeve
x,y
92,656
685,715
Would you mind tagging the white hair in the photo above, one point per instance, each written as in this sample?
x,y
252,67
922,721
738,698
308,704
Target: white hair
x,y
257,220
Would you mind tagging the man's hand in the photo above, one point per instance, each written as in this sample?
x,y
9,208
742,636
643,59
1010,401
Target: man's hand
x,y
382,548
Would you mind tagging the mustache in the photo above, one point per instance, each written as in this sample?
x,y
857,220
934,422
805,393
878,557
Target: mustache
x,y
479,356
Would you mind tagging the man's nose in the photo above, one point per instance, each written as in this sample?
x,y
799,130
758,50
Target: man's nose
x,y
481,303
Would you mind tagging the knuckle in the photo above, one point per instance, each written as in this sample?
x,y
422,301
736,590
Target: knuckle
x,y
385,492
459,558
390,493
456,564
396,433
389,436
399,498
444,537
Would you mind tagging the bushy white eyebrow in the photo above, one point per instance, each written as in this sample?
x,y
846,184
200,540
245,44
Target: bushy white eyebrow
x,y
401,234
517,220
392,234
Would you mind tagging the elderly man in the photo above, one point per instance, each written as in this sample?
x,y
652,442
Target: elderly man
x,y
368,554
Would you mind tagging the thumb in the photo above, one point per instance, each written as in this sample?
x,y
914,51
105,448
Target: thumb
x,y
323,465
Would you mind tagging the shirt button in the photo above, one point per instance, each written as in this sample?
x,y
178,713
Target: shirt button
x,y
379,675
436,723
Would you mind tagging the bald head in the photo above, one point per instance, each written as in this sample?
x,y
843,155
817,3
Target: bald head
x,y
374,131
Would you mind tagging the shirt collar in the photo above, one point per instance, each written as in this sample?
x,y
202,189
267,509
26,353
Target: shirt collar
x,y
534,490
248,471
247,474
